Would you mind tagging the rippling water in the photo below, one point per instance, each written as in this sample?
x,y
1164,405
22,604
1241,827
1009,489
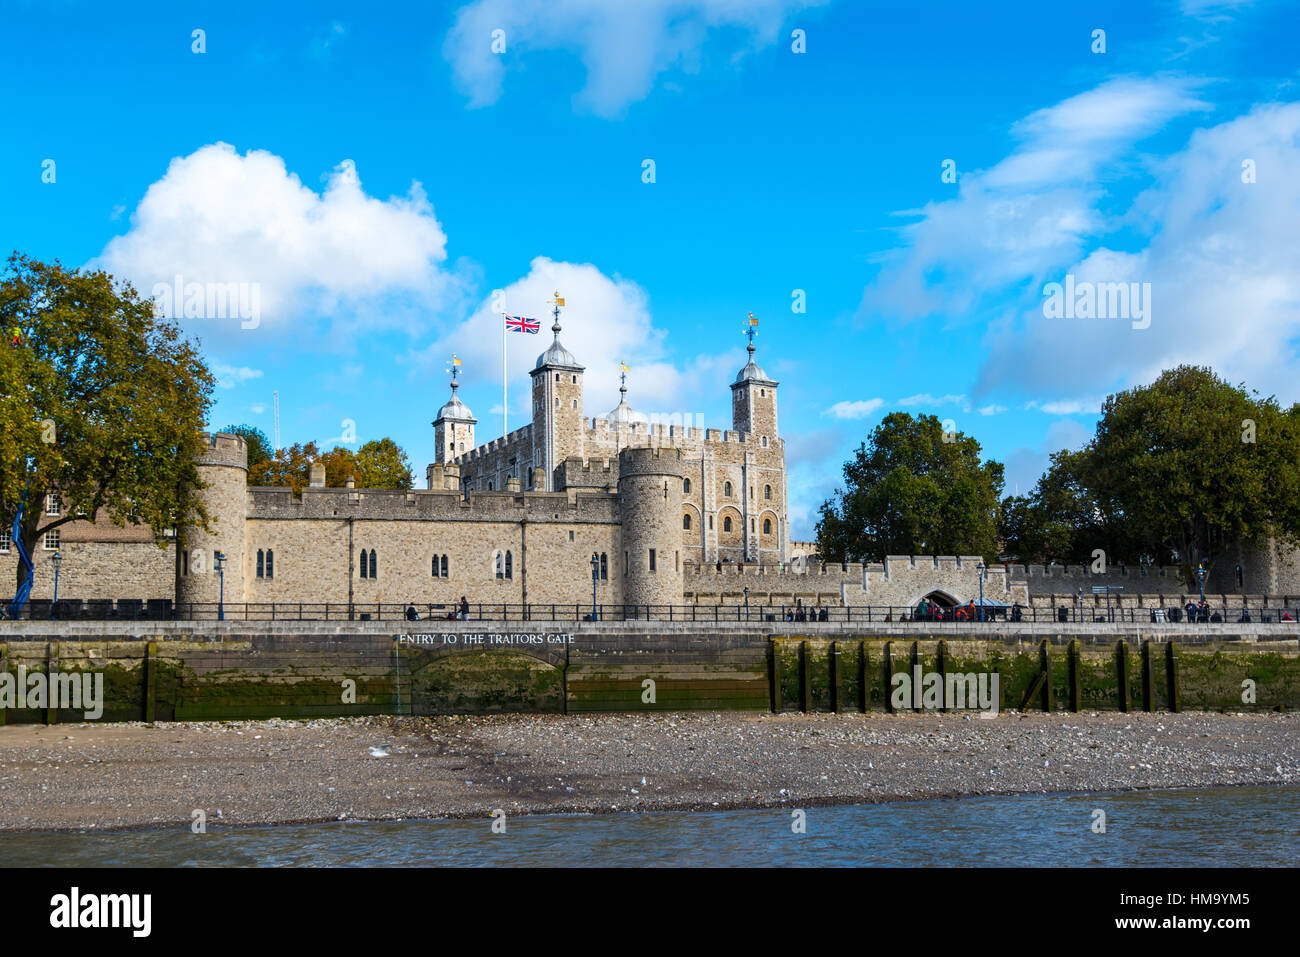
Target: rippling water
x,y
1221,827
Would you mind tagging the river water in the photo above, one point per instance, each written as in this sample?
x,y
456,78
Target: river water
x,y
1222,827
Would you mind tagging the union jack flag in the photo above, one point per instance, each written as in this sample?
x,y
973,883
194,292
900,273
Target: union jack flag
x,y
522,324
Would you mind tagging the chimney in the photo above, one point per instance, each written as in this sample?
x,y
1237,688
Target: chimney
x,y
512,484
351,482
318,476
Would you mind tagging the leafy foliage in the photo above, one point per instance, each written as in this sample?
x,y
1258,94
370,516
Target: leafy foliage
x,y
259,446
380,463
101,402
913,490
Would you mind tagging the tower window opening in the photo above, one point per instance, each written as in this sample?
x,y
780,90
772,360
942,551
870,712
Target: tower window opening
x,y
604,567
726,524
652,559
767,526
726,489
767,491
686,521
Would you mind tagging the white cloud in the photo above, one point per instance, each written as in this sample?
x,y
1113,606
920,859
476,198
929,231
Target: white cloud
x,y
1082,406
926,399
1223,262
623,45
606,320
858,409
1032,211
1024,465
219,217
257,408
229,376
992,409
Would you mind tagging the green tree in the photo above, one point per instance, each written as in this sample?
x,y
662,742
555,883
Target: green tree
x,y
289,466
913,489
1195,466
101,403
259,446
382,463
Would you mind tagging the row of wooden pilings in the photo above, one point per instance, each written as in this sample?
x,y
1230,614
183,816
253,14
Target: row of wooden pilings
x,y
1040,688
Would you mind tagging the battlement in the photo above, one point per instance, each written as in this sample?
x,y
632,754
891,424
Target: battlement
x,y
649,461
224,448
432,505
523,435
1085,571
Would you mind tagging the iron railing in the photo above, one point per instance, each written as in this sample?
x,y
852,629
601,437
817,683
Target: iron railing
x,y
961,616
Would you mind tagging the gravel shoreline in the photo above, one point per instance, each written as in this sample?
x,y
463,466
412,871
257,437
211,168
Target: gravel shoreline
x,y
243,773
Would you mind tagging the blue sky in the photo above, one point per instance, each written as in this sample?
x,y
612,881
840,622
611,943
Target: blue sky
x,y
378,172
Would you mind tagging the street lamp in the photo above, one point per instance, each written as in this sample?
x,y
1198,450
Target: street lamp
x,y
980,569
57,559
746,603
221,595
1200,580
595,574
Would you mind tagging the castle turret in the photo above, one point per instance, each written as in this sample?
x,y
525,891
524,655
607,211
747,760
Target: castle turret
x,y
557,406
453,429
753,400
223,469
650,508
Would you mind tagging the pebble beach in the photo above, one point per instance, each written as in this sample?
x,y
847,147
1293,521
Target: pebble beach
x,y
102,777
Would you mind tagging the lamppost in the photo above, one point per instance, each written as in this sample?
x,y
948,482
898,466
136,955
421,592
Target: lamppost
x,y
746,603
57,559
221,595
1200,580
595,573
980,569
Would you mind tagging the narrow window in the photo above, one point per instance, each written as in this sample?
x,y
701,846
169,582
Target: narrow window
x,y
489,485
574,379
435,566
575,403
444,566
557,377
270,563
373,567
726,489
260,569
604,567
762,392
710,521
509,572
726,524
625,561
767,491
686,485
652,559
570,535
767,526
185,559
686,521
752,526
764,441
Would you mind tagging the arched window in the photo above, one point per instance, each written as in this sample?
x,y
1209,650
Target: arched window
x,y
604,567
444,566
726,524
435,566
365,568
260,571
270,563
499,564
374,573
767,526
489,485
767,491
686,486
686,521
726,488
765,441
508,566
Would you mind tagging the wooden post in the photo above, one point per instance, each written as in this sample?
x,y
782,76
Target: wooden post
x,y
1171,675
889,676
1148,679
941,659
916,660
1045,661
1075,668
1121,673
805,677
833,666
51,666
150,680
774,674
864,692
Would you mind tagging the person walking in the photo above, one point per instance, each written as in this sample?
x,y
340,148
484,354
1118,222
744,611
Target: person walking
x,y
464,608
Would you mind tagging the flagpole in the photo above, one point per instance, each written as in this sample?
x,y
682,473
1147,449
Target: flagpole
x,y
505,430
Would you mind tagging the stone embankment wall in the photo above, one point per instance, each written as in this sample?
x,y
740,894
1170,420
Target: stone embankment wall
x,y
209,671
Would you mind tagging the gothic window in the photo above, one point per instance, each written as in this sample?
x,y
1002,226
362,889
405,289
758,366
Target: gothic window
x,y
261,571
764,440
604,567
365,568
726,524
686,521
435,566
444,566
767,526
489,485
499,564
508,564
270,563
726,489
767,491
374,573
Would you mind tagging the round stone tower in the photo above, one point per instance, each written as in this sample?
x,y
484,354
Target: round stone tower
x,y
650,508
223,468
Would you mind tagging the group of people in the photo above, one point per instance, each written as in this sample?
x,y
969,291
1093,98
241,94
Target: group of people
x,y
927,610
800,613
460,613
